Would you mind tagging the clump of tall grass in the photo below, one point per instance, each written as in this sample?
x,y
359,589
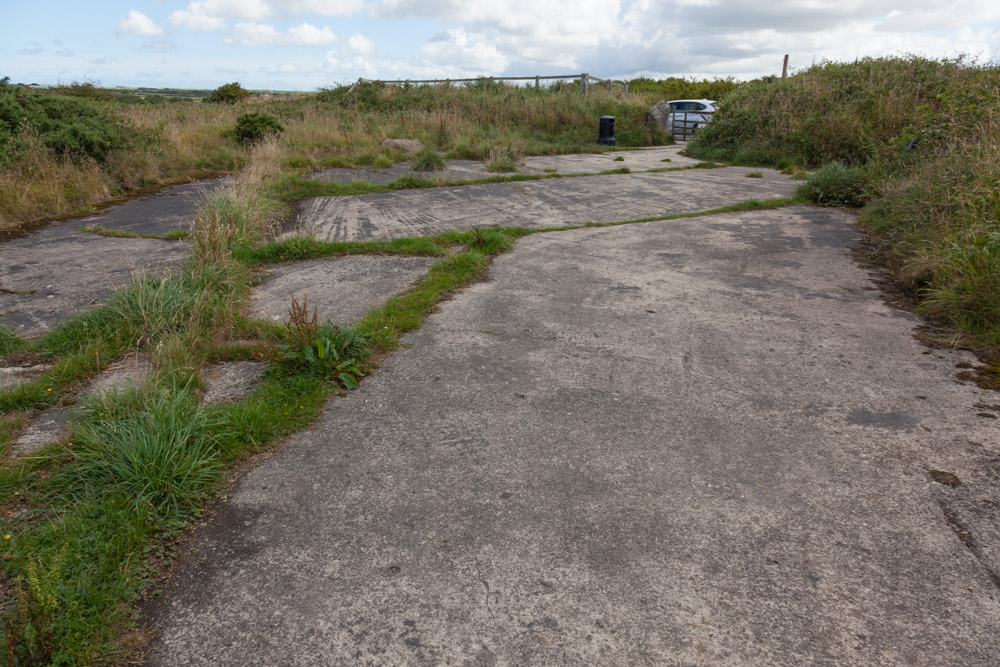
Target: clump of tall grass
x,y
156,451
241,210
502,159
428,160
834,184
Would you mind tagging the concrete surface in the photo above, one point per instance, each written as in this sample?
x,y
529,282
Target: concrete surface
x,y
51,273
230,381
13,376
580,163
52,424
158,212
342,289
696,442
547,203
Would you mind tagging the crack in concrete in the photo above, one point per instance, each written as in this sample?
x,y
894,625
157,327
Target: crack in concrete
x,y
486,584
965,537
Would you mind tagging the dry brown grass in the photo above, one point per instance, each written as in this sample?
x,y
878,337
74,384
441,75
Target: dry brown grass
x,y
193,138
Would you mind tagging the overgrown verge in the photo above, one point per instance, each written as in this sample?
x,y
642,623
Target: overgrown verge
x,y
83,521
914,140
130,147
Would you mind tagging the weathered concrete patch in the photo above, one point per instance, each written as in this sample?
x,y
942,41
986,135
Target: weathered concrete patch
x,y
161,211
51,273
547,203
592,163
230,381
13,376
342,289
48,275
51,425
577,163
615,452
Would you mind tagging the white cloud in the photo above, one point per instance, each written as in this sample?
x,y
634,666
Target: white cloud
x,y
460,54
250,33
137,23
323,7
206,15
196,19
358,45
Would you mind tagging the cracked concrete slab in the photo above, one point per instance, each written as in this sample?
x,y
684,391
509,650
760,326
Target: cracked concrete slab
x,y
230,381
163,210
52,425
51,273
341,289
546,203
575,163
702,441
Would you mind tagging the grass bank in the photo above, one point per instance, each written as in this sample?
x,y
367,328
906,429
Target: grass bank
x,y
913,141
135,146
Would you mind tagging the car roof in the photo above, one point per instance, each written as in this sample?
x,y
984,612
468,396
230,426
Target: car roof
x,y
701,100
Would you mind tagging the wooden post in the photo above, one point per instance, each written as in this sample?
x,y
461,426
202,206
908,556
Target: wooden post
x,y
536,82
608,85
784,67
585,83
626,90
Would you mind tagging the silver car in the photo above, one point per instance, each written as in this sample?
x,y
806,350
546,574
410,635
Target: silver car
x,y
686,116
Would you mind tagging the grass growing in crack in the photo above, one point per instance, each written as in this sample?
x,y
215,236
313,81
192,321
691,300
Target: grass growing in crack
x,y
321,350
172,235
385,325
296,249
429,160
155,451
9,341
502,159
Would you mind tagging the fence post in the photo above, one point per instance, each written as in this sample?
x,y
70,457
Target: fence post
x,y
626,90
608,82
784,67
536,82
585,83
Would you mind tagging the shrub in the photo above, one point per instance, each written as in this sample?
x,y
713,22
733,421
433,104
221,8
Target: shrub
x,y
252,127
230,93
69,126
834,184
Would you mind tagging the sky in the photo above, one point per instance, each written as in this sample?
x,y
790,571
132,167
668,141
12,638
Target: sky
x,y
308,44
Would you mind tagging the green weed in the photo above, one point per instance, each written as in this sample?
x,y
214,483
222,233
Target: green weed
x,y
429,160
158,453
835,184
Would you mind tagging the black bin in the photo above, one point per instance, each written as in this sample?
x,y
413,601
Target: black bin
x,y
607,133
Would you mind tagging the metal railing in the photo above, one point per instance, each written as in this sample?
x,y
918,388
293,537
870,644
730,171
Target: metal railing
x,y
684,124
585,81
